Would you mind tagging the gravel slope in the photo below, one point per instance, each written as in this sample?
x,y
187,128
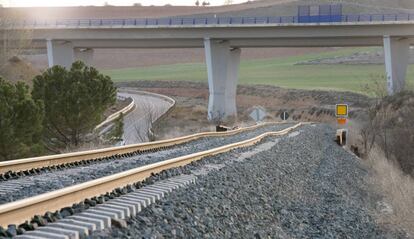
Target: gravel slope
x,y
56,179
299,186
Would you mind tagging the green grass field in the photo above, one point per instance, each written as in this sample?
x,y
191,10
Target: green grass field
x,y
276,71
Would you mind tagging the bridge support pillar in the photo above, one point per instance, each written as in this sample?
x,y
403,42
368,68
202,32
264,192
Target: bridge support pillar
x,y
396,52
222,70
60,53
85,55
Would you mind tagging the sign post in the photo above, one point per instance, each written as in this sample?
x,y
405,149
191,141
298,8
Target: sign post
x,y
284,115
341,112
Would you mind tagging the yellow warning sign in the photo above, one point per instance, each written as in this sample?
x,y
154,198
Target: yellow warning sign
x,y
341,110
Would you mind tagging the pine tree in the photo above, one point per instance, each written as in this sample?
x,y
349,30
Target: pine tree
x,y
74,101
20,122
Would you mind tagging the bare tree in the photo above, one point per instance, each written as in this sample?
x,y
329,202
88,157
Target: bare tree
x,y
374,127
13,39
143,131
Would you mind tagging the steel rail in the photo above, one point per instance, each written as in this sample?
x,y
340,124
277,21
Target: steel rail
x,y
115,115
53,160
19,211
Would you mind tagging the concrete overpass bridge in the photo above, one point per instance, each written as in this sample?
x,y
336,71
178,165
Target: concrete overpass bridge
x,y
223,39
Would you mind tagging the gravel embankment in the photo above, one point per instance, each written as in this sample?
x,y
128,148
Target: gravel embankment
x,y
56,179
299,186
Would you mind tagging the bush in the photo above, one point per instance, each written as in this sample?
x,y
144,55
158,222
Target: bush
x,y
389,124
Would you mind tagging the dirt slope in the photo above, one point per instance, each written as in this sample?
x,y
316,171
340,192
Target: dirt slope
x,y
18,70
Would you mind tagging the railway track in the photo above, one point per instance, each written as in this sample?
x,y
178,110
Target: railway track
x,y
97,203
30,165
56,177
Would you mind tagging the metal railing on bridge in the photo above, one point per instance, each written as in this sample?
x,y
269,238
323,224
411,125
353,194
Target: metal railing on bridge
x,y
204,21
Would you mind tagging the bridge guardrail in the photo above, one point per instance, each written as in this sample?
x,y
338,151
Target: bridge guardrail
x,y
187,21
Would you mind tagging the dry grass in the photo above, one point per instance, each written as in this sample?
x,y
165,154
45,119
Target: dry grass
x,y
200,109
397,189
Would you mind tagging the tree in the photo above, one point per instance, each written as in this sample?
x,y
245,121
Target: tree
x,y
20,122
74,100
197,3
143,128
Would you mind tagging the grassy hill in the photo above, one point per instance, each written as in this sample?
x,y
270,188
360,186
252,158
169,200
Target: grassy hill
x,y
252,8
282,71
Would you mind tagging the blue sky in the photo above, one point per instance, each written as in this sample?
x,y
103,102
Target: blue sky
x,y
31,3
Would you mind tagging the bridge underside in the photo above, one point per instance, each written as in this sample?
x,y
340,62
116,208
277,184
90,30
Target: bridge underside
x,y
233,43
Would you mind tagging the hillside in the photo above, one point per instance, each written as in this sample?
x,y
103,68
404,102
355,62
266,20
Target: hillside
x,y
129,11
254,8
289,8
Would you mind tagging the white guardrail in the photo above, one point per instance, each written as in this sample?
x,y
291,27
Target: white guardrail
x,y
115,115
128,108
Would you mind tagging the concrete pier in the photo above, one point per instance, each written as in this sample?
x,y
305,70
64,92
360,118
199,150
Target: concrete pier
x,y
222,70
396,52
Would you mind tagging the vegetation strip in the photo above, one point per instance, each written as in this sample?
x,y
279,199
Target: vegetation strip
x,y
19,211
21,167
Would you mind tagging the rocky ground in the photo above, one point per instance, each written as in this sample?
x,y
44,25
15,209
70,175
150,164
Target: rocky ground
x,y
54,179
299,186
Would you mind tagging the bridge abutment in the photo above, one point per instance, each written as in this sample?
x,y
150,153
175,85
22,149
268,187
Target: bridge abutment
x,y
223,71
396,53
